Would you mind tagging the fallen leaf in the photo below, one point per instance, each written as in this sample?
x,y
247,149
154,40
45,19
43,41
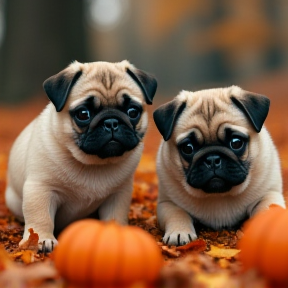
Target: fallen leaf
x,y
170,251
28,256
151,220
5,260
217,252
239,234
136,211
224,263
19,276
32,242
198,245
217,280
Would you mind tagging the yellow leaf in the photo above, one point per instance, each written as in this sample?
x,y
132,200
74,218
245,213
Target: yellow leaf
x,y
216,280
222,252
27,256
224,263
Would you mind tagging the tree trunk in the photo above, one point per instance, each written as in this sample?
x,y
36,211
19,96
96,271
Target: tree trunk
x,y
42,37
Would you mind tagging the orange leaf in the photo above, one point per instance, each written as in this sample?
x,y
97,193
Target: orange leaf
x,y
28,256
198,245
32,242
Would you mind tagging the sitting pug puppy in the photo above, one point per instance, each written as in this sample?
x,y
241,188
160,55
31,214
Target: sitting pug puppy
x,y
79,155
217,163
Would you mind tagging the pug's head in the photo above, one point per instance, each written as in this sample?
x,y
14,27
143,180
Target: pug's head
x,y
100,109
212,137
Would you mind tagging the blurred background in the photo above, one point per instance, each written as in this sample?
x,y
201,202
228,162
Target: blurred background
x,y
187,44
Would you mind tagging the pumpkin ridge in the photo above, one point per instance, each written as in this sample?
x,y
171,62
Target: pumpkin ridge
x,y
63,255
143,245
90,269
268,224
84,230
282,222
120,257
129,260
251,244
150,259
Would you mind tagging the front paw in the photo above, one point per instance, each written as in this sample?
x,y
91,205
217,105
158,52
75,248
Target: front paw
x,y
44,245
179,238
47,245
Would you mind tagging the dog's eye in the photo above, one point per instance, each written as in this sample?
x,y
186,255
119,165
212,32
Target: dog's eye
x,y
187,148
236,143
133,113
83,115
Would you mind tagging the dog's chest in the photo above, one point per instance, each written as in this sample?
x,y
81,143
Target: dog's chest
x,y
81,193
218,212
93,183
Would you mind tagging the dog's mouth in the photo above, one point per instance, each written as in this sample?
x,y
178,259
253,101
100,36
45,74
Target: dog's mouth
x,y
106,145
110,148
113,148
216,185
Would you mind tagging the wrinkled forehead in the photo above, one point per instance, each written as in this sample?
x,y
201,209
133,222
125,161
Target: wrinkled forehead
x,y
108,83
209,118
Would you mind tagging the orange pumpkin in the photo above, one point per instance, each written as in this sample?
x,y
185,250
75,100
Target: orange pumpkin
x,y
91,252
264,245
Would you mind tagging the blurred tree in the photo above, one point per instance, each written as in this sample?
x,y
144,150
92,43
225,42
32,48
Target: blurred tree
x,y
41,38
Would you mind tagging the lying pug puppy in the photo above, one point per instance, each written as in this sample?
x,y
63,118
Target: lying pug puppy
x,y
217,163
79,155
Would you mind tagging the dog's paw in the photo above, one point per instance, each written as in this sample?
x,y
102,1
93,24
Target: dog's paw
x,y
47,245
179,238
44,244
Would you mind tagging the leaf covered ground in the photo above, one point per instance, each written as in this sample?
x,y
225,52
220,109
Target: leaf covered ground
x,y
212,260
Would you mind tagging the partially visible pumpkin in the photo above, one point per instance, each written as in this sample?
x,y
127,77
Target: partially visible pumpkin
x,y
91,252
264,245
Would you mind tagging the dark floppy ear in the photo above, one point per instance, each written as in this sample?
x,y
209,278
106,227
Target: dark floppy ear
x,y
145,81
58,87
254,106
166,115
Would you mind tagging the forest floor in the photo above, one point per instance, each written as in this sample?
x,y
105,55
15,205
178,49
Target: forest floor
x,y
213,260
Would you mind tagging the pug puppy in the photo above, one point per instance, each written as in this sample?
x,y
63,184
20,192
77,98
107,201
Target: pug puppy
x,y
217,163
79,155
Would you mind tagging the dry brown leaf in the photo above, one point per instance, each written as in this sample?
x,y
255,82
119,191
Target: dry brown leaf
x,y
217,252
151,221
32,242
136,211
170,251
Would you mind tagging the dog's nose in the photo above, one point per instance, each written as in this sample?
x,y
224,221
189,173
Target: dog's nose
x,y
213,161
111,124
